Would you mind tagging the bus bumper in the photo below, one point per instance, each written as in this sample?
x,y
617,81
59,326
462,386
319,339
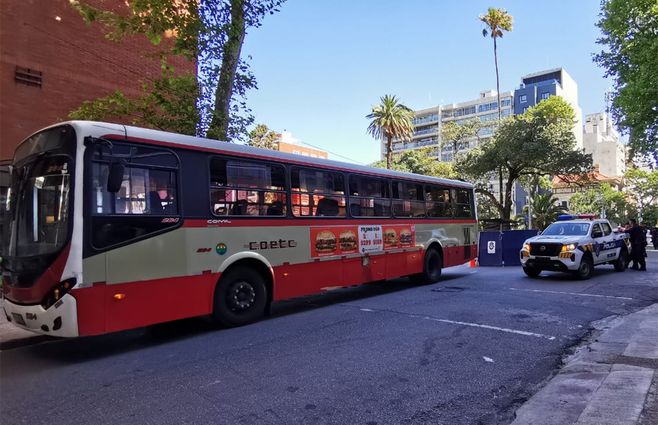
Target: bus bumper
x,y
60,319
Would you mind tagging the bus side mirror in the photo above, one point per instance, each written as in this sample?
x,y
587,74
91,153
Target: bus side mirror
x,y
115,177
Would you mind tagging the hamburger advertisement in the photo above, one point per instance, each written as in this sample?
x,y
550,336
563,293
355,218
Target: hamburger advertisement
x,y
340,240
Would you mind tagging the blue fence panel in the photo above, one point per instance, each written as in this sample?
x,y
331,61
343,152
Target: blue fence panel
x,y
490,249
512,243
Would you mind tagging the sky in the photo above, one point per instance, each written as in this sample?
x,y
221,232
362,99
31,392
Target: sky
x,y
321,65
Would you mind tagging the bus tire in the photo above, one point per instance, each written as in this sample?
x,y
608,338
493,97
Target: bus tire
x,y
240,297
432,265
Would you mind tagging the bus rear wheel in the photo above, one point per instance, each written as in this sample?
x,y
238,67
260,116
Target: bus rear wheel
x,y
240,297
432,266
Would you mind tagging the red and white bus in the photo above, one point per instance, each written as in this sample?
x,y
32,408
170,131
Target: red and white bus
x,y
114,227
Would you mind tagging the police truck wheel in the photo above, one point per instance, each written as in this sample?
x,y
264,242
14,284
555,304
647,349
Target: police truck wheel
x,y
240,297
531,271
432,265
622,262
585,268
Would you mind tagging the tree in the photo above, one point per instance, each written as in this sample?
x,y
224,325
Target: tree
x,y
539,142
207,32
630,36
459,134
420,161
605,201
641,188
544,211
390,120
263,137
497,20
167,103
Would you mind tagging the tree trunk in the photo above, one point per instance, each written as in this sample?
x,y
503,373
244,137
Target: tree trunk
x,y
500,116
389,152
230,60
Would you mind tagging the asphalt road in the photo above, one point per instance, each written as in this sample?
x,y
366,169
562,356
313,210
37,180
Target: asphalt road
x,y
468,350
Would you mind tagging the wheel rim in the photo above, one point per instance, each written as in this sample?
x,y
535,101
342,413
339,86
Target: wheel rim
x,y
241,296
584,268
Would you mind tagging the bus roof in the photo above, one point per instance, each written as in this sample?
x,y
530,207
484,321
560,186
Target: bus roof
x,y
198,143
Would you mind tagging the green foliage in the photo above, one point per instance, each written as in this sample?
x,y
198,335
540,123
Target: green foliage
x,y
605,201
208,33
166,104
641,188
545,209
630,37
496,21
390,120
264,138
539,142
420,161
458,135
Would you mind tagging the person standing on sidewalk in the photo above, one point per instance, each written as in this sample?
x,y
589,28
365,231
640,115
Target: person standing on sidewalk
x,y
638,246
654,237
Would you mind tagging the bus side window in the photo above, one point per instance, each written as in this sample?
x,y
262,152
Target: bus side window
x,y
369,196
247,188
408,199
317,193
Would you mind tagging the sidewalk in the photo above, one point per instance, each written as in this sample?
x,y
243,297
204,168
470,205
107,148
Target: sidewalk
x,y
613,379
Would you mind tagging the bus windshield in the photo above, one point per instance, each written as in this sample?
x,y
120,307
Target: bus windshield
x,y
39,206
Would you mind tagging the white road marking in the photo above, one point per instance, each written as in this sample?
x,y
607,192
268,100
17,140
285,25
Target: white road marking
x,y
571,293
494,328
487,359
366,309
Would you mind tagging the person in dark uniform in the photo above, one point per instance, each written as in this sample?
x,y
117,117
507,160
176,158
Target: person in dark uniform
x,y
654,237
638,246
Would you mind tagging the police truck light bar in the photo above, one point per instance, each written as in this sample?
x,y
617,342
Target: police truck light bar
x,y
564,217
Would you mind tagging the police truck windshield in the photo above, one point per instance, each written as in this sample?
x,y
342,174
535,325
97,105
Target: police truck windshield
x,y
572,229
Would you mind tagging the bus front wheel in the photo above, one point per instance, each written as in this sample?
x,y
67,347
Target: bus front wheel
x,y
240,297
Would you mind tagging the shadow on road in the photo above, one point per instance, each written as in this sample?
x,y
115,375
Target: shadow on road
x,y
77,350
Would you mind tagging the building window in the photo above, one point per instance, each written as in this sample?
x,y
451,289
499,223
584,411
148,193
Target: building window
x,y
523,98
545,95
27,76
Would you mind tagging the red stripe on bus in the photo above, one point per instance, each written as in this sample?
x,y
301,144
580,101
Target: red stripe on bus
x,y
274,222
161,300
144,303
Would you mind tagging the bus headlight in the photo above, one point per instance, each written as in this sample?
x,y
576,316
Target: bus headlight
x,y
57,293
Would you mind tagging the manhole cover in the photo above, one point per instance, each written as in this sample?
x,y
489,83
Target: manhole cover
x,y
449,289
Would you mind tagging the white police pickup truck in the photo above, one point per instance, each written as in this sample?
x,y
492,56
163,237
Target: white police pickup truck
x,y
575,243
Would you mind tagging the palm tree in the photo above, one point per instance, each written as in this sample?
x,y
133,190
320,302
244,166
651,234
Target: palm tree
x,y
496,21
545,210
390,120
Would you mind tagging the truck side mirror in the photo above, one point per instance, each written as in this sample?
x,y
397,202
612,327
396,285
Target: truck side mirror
x,y
115,176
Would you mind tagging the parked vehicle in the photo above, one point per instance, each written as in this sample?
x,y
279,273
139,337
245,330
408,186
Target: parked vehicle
x,y
575,243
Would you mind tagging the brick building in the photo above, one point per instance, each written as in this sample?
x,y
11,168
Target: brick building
x,y
51,61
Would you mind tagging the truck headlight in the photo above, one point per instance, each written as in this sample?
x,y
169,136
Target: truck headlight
x,y
526,247
569,247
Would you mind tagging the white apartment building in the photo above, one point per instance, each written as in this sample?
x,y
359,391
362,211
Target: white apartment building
x,y
601,140
428,123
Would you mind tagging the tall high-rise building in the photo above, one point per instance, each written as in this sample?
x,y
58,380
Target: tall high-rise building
x,y
428,123
541,85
